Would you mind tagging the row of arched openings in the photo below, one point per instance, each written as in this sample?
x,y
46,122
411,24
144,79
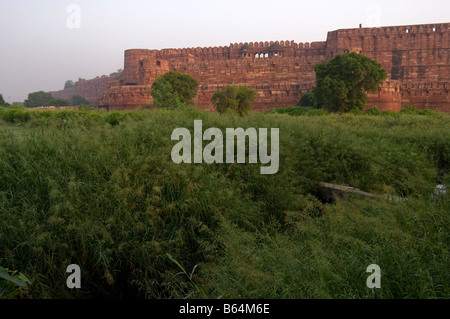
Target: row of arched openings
x,y
261,55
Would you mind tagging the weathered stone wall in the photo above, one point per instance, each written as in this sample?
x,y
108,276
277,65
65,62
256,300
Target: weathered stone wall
x,y
280,72
387,98
65,94
91,90
416,59
416,56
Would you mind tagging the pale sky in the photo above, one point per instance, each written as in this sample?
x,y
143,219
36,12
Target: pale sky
x,y
44,43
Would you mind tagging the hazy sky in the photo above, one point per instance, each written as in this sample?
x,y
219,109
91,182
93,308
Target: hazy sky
x,y
44,43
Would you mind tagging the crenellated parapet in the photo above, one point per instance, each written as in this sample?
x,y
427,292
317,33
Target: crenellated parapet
x,y
416,59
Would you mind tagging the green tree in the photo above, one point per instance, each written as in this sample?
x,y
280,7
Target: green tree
x,y
2,101
116,73
69,84
235,99
58,102
164,94
38,99
342,83
79,100
42,98
308,99
173,88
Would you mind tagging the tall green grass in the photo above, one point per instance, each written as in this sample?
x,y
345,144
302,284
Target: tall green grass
x,y
100,190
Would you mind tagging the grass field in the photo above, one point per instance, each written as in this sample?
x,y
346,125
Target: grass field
x,y
100,190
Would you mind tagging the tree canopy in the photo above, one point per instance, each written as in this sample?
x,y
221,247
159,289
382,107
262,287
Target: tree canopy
x,y
342,83
2,101
308,99
164,94
79,100
116,73
174,89
42,98
235,99
69,84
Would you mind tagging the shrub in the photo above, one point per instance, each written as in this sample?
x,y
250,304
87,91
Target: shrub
x,y
355,111
308,99
298,111
234,99
16,114
373,111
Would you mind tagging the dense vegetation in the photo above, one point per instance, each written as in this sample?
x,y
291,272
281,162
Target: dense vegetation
x,y
100,190
77,100
238,99
41,98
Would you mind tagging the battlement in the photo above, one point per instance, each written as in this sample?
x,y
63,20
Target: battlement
x,y
415,57
233,51
374,42
431,29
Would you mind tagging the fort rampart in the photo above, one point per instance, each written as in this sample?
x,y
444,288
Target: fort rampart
x,y
416,59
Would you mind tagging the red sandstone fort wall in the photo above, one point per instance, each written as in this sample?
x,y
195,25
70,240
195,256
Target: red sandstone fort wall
x,y
417,56
416,59
280,72
91,90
